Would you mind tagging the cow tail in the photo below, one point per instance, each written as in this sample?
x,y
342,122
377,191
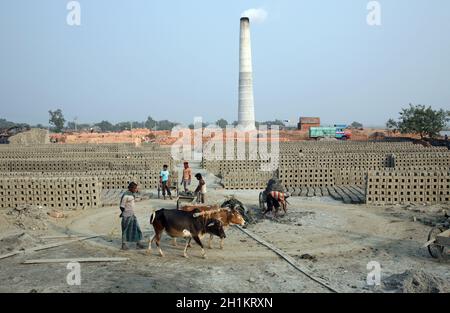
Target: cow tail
x,y
152,217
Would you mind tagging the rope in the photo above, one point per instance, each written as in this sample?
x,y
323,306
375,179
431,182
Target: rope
x,y
287,258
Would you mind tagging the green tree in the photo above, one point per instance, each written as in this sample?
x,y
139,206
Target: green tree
x,y
122,126
391,124
6,124
165,125
422,120
70,125
270,123
356,125
136,124
105,126
57,120
222,123
150,123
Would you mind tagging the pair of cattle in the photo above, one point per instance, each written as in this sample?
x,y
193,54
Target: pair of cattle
x,y
193,223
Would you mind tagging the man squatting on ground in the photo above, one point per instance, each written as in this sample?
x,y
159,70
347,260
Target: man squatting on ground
x,y
164,180
131,231
201,188
187,176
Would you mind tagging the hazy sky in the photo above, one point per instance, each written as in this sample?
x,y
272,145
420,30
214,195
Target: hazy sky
x,y
176,59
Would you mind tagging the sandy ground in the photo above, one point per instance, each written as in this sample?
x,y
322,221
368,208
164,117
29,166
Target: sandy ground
x,y
339,238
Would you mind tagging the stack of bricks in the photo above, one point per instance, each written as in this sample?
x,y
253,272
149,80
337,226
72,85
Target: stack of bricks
x,y
340,164
247,180
51,192
391,186
50,169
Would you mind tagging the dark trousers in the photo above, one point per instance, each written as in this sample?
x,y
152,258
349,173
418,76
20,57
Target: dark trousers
x,y
272,202
164,188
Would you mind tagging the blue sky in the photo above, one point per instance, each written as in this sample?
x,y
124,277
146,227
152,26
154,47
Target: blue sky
x,y
176,59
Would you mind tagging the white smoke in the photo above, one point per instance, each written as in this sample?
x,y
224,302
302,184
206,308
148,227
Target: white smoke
x,y
255,15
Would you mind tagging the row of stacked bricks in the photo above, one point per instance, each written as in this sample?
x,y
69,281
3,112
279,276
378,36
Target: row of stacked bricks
x,y
52,192
354,146
398,158
247,180
322,164
322,176
73,165
391,186
437,159
112,166
109,179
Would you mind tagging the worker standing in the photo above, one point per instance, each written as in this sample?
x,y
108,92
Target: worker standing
x,y
200,191
164,180
187,176
131,231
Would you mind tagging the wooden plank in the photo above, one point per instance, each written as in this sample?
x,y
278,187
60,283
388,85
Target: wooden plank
x,y
79,260
429,243
43,247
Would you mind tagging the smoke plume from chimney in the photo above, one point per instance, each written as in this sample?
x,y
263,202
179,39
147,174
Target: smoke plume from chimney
x,y
255,15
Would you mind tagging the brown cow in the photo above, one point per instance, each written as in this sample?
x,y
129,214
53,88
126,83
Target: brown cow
x,y
228,216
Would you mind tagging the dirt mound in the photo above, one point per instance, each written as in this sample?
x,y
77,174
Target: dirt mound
x,y
416,281
28,217
31,137
17,241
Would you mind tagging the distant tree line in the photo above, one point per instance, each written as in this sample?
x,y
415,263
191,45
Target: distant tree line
x,y
5,124
57,123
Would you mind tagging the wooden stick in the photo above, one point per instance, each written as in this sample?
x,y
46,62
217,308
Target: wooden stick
x,y
66,236
43,247
286,257
80,260
429,243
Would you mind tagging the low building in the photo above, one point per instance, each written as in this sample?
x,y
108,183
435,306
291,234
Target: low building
x,y
307,122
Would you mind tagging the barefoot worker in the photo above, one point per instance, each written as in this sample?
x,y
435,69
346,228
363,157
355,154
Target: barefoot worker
x,y
164,181
131,231
187,176
201,188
